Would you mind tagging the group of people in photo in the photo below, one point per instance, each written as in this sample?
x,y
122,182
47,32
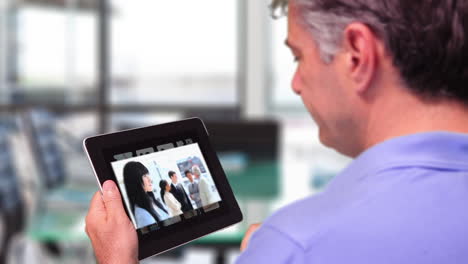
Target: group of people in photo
x,y
176,201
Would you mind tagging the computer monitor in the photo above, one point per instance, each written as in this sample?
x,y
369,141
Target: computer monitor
x,y
11,200
249,153
9,194
41,134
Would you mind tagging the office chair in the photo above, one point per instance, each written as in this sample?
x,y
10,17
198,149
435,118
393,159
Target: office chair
x,y
48,147
40,162
11,204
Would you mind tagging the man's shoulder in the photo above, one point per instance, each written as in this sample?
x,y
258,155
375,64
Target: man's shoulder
x,y
203,181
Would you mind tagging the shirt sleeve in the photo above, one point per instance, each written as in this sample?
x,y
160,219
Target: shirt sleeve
x,y
269,245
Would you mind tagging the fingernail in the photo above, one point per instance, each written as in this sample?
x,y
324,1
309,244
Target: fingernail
x,y
109,187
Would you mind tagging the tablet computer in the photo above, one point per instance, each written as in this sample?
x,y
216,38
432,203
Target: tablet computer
x,y
173,187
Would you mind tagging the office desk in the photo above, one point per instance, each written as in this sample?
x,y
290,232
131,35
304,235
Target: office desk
x,y
222,242
63,224
68,226
61,215
58,224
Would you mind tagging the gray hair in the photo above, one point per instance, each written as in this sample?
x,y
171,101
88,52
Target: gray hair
x,y
427,40
326,27
196,170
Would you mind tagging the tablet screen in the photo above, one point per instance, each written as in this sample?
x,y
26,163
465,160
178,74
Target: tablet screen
x,y
164,183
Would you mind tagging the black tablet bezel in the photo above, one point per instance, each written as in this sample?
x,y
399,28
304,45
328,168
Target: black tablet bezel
x,y
159,241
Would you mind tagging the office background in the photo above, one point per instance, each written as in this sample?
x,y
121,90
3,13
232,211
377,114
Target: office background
x,y
73,68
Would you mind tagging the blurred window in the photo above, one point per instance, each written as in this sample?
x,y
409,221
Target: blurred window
x,y
283,68
56,54
174,52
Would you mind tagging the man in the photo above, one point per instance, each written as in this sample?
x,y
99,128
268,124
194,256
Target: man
x,y
204,188
179,193
193,189
385,81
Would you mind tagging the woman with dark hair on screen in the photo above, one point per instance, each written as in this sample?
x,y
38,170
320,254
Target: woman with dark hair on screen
x,y
137,184
169,199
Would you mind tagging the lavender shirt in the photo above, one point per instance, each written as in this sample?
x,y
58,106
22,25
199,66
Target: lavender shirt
x,y
402,201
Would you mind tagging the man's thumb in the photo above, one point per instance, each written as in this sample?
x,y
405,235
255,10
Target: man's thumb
x,y
112,200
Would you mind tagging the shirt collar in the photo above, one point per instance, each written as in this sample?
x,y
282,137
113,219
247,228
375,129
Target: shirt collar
x,y
441,150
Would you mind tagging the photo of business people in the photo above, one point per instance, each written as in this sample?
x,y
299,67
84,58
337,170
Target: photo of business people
x,y
157,193
189,162
207,194
201,185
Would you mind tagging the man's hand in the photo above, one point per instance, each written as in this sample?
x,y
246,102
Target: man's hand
x,y
112,234
248,234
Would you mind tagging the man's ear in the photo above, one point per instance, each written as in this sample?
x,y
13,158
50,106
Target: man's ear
x,y
360,46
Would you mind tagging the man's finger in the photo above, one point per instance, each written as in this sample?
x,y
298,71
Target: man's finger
x,y
247,236
96,207
112,201
97,211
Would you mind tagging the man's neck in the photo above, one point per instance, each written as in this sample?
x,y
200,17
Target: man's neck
x,y
416,116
